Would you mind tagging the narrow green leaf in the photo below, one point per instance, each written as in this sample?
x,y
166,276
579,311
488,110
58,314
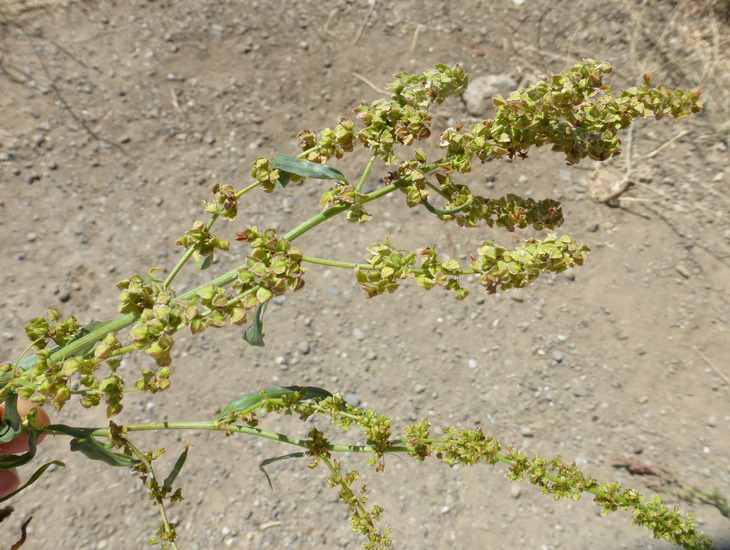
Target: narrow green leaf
x,y
254,334
85,443
36,475
13,461
175,470
304,168
251,401
11,419
268,461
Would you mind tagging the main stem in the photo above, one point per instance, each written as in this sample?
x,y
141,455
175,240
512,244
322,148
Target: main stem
x,y
227,278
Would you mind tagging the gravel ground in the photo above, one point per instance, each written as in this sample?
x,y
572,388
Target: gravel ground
x,y
119,117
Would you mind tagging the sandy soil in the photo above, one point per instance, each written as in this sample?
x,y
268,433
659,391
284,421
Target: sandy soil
x,y
118,117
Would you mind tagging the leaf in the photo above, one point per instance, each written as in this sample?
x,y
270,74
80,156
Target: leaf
x,y
36,475
11,419
304,168
204,263
268,461
254,334
23,532
169,480
13,461
250,401
85,443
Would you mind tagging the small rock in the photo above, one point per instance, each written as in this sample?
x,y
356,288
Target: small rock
x,y
712,421
352,398
30,237
359,334
419,388
593,227
303,347
515,491
682,270
482,89
472,363
526,431
332,291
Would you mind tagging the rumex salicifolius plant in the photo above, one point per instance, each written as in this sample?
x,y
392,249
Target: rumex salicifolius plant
x,y
574,112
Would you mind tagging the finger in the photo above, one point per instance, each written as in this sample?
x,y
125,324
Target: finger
x,y
9,482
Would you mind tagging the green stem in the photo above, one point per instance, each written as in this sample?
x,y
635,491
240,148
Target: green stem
x,y
216,426
188,253
366,172
227,278
335,263
242,192
158,498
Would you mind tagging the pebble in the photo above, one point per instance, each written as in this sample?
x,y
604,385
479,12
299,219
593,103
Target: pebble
x,y
682,270
712,421
472,363
352,398
526,431
359,334
30,237
515,491
303,347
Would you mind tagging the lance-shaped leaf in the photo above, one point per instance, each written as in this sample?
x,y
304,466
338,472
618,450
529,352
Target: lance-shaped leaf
x,y
85,443
287,166
169,480
268,461
35,477
251,401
